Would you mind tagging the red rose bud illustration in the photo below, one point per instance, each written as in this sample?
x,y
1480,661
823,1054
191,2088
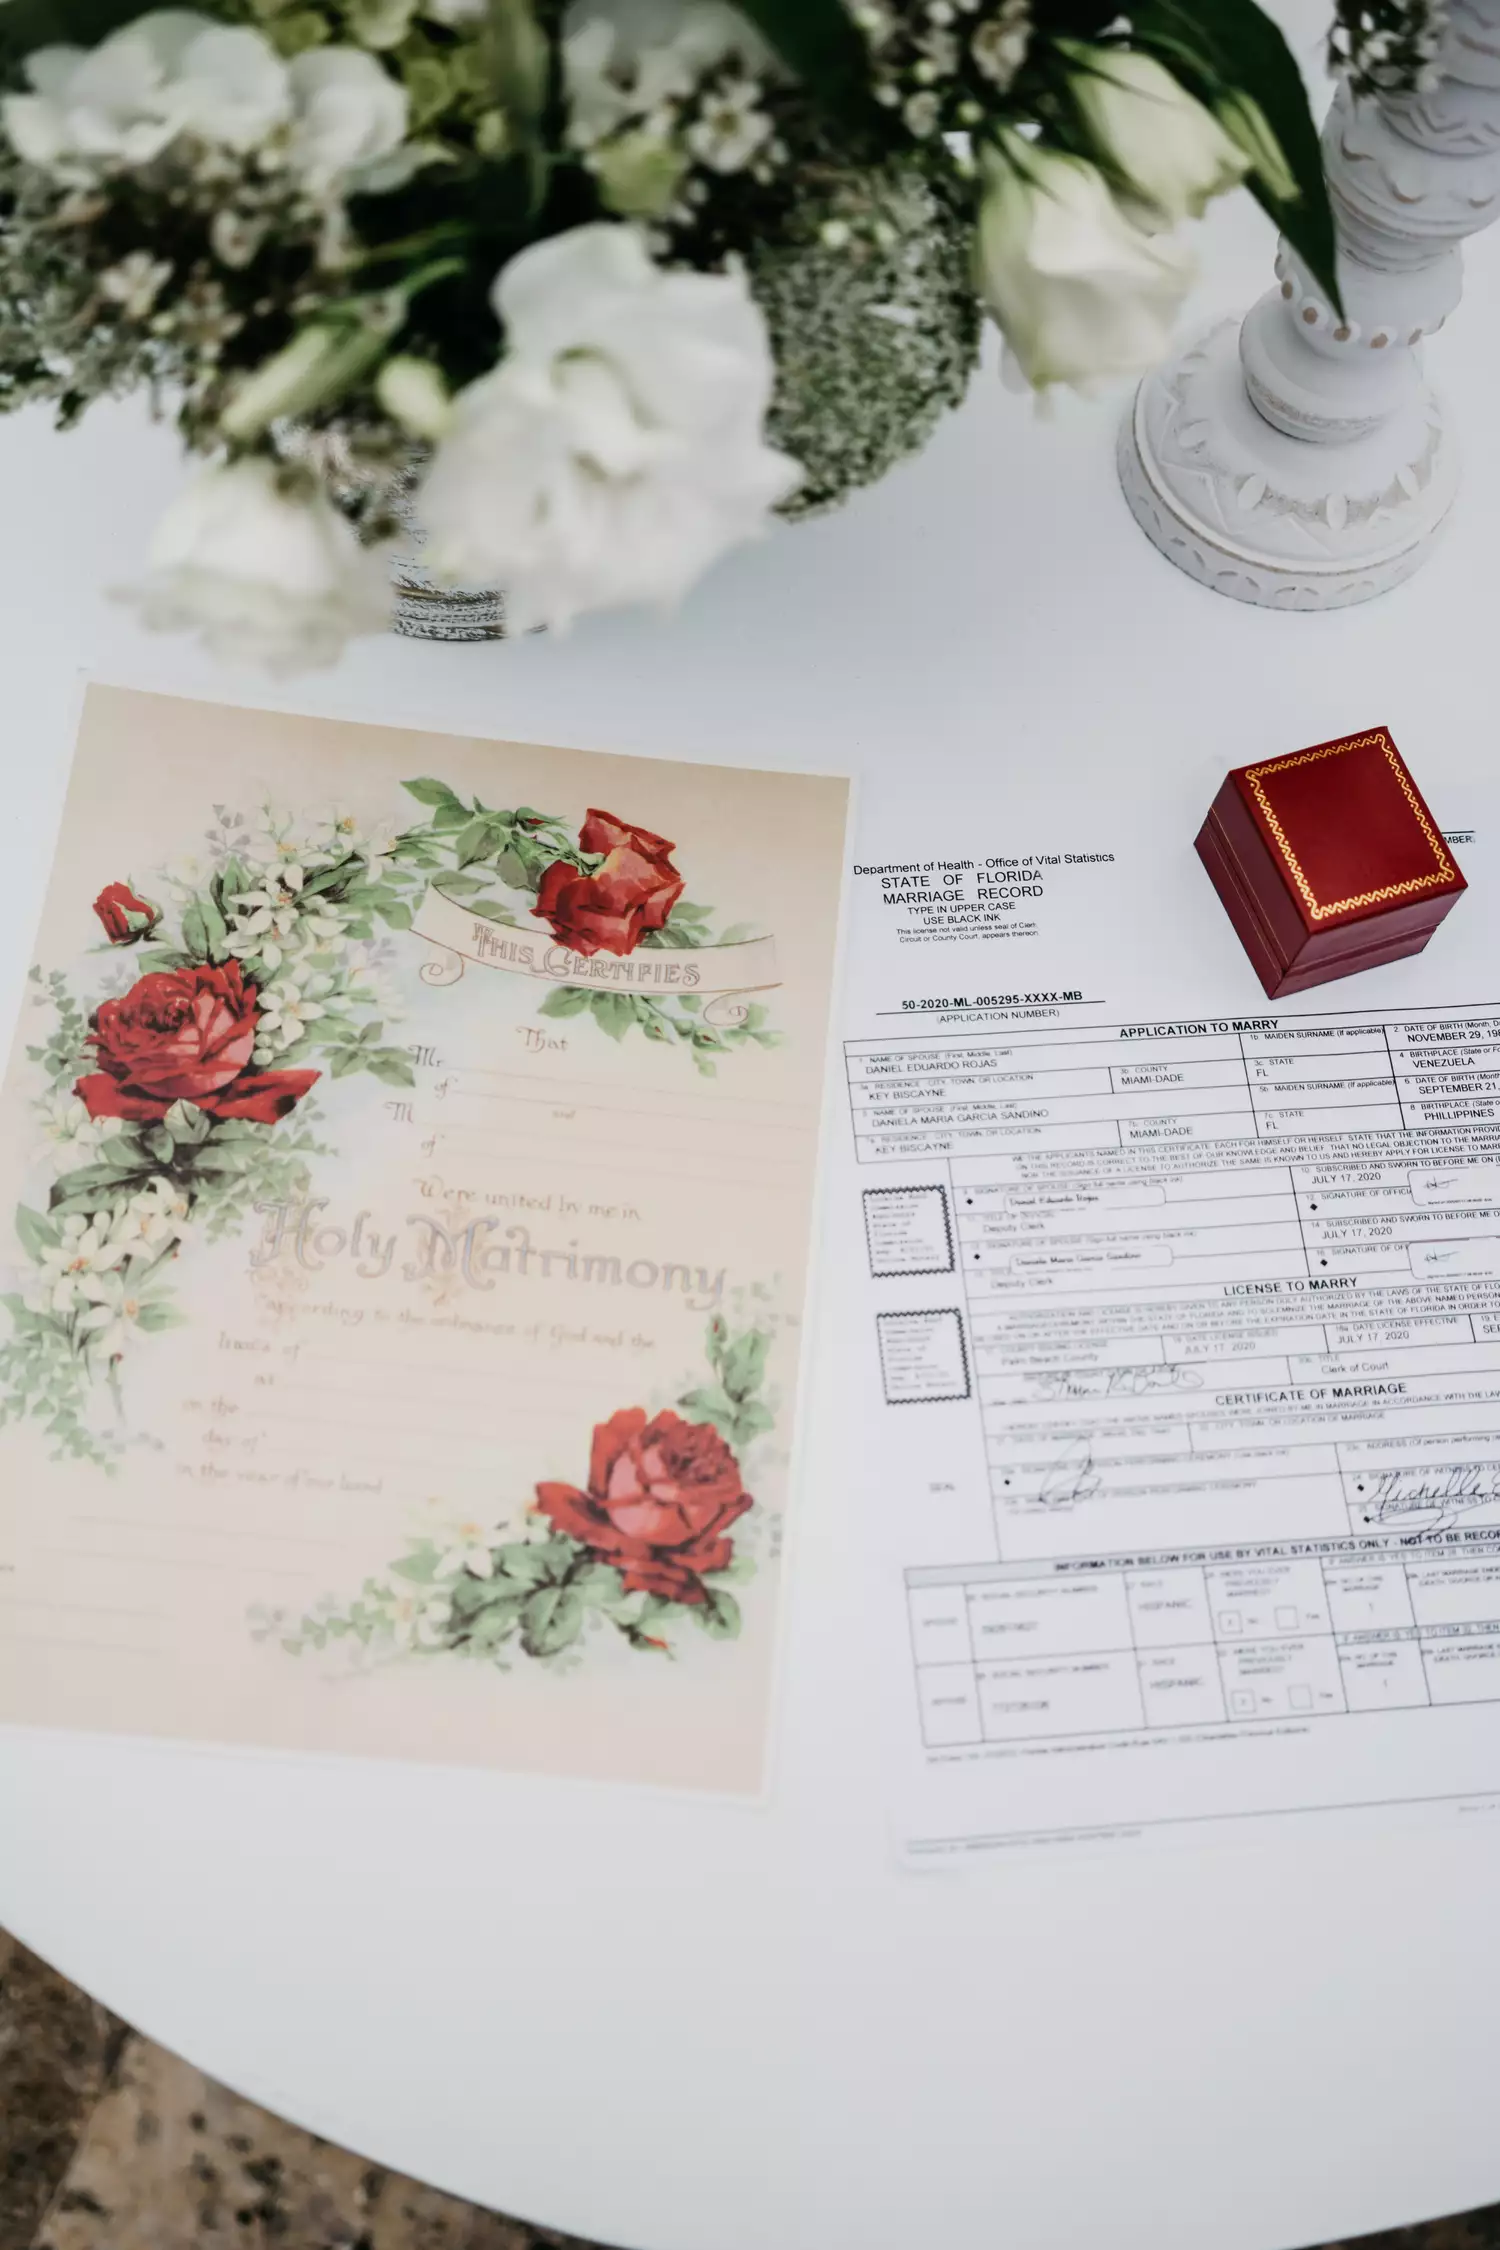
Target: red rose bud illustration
x,y
126,917
186,1035
662,1494
633,891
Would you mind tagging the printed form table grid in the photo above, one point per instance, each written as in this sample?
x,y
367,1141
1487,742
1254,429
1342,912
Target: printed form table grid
x,y
1238,1266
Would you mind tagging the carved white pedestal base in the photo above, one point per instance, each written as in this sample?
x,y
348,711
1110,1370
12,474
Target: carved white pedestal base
x,y
1264,517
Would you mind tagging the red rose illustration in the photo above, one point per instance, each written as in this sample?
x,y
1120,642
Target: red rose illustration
x,y
661,1496
125,916
610,911
185,1035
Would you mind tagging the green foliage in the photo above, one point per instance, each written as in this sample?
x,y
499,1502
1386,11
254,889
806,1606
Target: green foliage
x,y
733,1403
540,1596
1235,46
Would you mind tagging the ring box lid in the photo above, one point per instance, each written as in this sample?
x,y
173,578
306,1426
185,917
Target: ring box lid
x,y
1348,837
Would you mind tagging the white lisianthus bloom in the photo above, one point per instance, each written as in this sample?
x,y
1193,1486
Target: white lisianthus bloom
x,y
171,71
617,449
107,105
261,573
1079,292
349,110
1171,152
1246,123
231,89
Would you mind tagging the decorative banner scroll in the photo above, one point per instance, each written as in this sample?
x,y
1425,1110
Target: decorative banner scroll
x,y
727,971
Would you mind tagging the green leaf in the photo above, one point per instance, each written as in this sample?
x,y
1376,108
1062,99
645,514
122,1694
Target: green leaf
x,y
531,1562
205,933
614,1012
751,1421
37,1234
714,1406
567,1000
391,1068
474,842
458,886
818,42
597,1582
123,1153
105,1177
426,790
419,1566
552,1618
159,1143
1234,46
158,1315
743,1365
490,910
718,1614
497,1621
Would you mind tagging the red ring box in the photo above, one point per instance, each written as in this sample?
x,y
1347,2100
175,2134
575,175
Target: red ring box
x,y
1328,861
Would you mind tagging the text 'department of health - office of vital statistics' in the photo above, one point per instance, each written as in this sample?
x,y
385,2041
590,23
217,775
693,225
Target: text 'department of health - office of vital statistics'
x,y
1218,1298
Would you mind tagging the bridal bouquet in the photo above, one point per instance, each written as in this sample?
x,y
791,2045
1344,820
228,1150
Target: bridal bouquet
x,y
592,290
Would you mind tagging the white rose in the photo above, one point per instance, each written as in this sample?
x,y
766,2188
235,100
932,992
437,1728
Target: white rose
x,y
1171,151
108,105
349,111
1079,292
260,573
617,449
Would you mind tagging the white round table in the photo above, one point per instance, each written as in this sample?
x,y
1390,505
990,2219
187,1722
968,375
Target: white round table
x,y
695,2026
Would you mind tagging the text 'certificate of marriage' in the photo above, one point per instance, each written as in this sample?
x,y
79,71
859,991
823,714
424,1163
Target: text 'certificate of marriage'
x,y
408,1151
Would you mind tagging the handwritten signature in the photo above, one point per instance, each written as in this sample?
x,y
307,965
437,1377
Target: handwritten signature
x,y
1115,1382
1071,1477
1445,1494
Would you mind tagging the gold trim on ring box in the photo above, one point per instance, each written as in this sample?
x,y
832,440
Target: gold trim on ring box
x,y
1444,872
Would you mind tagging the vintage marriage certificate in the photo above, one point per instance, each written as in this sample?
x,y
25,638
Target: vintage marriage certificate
x,y
408,1150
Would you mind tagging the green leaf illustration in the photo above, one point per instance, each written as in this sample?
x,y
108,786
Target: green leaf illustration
x,y
552,1618
37,1234
718,1614
567,1000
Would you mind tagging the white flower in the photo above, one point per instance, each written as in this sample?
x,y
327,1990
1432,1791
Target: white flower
x,y
153,1218
287,1007
231,89
469,1550
67,1123
342,830
274,845
263,922
1079,292
999,47
135,283
1246,123
121,103
418,1621
67,1270
628,59
260,572
115,1306
616,451
349,111
732,129
1172,153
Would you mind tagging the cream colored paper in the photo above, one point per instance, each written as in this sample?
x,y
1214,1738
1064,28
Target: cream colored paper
x,y
390,1347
